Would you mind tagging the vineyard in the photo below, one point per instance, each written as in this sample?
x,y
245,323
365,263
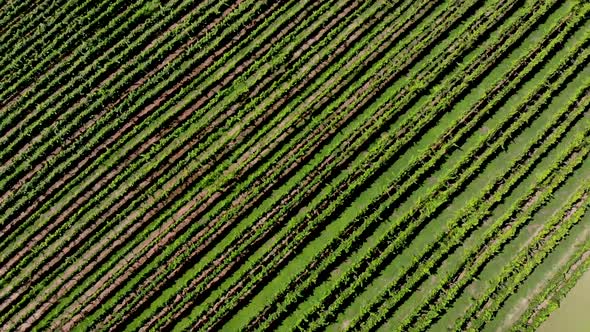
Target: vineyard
x,y
341,165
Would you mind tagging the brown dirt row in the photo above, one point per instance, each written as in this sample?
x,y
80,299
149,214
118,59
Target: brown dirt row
x,y
152,106
39,12
170,162
105,180
112,139
124,95
82,101
87,230
9,102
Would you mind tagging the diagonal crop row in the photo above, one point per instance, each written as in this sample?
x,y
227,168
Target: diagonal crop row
x,y
98,125
343,243
25,63
249,238
24,28
113,184
105,87
277,255
547,301
523,264
85,230
417,270
527,205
